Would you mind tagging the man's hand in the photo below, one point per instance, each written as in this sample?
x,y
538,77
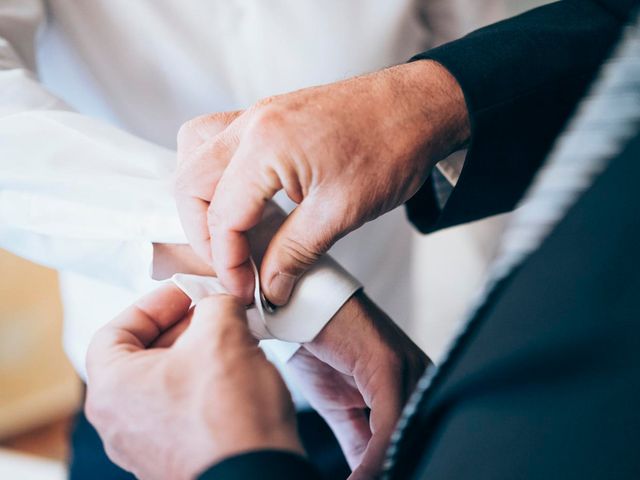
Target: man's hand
x,y
172,411
346,152
358,373
172,258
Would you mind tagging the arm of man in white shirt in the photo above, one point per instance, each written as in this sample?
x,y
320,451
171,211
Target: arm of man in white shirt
x,y
75,194
79,195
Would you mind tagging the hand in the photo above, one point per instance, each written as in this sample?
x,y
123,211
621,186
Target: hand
x,y
172,258
346,152
171,412
360,361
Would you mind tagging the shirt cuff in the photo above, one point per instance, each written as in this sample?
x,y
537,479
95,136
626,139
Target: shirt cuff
x,y
451,167
317,297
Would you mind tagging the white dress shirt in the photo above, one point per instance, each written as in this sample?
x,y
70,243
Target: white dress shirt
x,y
89,113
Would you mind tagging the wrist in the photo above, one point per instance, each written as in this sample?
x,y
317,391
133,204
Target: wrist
x,y
339,338
431,109
438,96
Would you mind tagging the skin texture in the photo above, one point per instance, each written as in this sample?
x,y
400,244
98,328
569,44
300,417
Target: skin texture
x,y
346,153
169,259
161,414
356,373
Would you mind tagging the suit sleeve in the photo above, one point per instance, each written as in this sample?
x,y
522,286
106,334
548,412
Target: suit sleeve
x,y
521,78
263,464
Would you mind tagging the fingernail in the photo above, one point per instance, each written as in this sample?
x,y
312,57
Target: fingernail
x,y
280,288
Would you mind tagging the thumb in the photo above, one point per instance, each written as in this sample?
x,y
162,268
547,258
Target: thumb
x,y
307,233
219,322
386,407
205,146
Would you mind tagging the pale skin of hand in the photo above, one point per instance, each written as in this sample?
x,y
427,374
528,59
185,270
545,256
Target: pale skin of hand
x,y
359,362
357,373
160,412
172,258
346,153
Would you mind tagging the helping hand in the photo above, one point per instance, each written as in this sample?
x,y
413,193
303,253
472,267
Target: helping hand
x,y
358,373
171,411
346,152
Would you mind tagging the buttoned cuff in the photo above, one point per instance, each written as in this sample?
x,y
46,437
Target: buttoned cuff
x,y
317,297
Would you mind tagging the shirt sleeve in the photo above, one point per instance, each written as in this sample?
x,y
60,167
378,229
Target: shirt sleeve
x,y
75,194
82,196
447,21
521,79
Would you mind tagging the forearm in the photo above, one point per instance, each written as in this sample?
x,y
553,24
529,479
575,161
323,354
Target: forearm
x,y
75,194
521,79
79,195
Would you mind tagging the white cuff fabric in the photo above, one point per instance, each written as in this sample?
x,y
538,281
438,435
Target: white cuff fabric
x,y
317,297
451,167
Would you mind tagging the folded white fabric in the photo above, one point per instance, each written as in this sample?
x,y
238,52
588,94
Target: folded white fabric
x,y
315,300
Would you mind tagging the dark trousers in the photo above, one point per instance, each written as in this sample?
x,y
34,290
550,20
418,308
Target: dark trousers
x,y
89,461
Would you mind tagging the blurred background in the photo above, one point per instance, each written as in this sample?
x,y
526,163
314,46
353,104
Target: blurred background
x,y
39,390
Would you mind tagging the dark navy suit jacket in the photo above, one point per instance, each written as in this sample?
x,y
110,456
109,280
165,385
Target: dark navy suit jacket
x,y
546,382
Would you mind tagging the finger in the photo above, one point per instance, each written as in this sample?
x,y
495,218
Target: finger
x,y
219,322
386,407
237,206
195,132
169,259
205,146
140,324
168,338
336,398
193,218
195,184
307,233
351,428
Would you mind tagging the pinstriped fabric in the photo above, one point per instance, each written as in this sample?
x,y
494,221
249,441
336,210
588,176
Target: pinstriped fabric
x,y
607,118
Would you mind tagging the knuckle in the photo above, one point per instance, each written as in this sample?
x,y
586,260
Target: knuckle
x,y
217,303
303,255
264,102
227,322
267,121
199,170
219,307
188,134
198,130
